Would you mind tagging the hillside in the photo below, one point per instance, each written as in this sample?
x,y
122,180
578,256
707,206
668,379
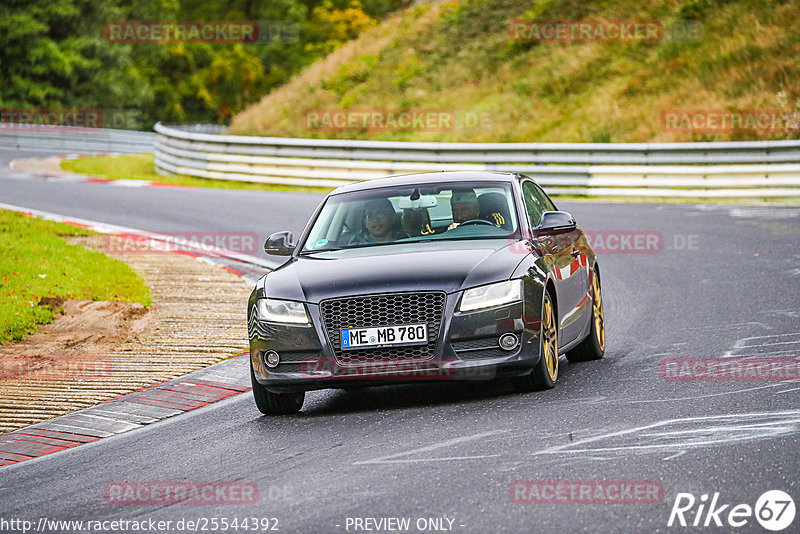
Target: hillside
x,y
461,59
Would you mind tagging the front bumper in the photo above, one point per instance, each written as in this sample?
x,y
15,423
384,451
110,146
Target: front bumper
x,y
466,348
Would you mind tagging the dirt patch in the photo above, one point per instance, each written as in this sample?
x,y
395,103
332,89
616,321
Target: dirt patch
x,y
47,166
99,350
86,331
54,303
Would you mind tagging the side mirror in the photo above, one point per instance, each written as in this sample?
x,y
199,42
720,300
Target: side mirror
x,y
280,244
555,222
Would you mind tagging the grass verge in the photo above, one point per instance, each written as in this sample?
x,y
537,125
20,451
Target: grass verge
x,y
36,263
141,167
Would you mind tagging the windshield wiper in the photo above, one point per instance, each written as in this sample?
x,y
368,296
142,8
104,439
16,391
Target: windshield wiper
x,y
332,249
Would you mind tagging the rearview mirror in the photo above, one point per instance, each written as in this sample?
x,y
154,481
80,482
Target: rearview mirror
x,y
280,244
556,221
425,201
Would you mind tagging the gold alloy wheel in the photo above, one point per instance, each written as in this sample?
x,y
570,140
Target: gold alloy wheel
x,y
597,306
549,340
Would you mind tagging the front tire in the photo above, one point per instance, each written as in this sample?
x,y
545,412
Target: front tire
x,y
270,403
593,347
545,374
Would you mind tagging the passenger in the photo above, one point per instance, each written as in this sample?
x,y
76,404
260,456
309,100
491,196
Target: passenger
x,y
380,223
464,205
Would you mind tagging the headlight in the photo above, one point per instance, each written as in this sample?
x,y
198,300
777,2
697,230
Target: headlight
x,y
491,295
282,311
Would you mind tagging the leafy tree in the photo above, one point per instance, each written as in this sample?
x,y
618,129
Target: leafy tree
x,y
55,54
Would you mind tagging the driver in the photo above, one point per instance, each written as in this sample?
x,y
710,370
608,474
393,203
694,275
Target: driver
x,y
379,223
464,205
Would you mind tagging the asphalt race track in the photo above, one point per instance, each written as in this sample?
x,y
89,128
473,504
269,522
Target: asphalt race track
x,y
724,283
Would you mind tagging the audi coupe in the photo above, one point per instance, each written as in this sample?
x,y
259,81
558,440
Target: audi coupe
x,y
434,276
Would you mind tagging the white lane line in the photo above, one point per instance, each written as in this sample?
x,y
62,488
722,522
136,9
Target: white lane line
x,y
787,390
722,394
124,182
674,456
787,419
392,458
418,460
761,341
711,429
731,326
793,342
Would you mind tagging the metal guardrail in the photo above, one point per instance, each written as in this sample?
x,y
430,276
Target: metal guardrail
x,y
85,140
734,169
730,169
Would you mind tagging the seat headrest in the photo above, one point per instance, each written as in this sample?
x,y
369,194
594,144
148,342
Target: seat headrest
x,y
494,208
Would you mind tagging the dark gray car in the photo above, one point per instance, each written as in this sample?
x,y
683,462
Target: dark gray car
x,y
439,276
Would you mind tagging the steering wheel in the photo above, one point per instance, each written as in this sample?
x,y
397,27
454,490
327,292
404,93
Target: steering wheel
x,y
476,221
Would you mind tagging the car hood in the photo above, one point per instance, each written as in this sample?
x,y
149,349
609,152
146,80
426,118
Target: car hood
x,y
442,266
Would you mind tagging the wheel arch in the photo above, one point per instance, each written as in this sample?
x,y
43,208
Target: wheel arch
x,y
550,287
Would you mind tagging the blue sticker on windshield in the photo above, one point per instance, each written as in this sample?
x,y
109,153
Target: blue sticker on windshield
x,y
320,243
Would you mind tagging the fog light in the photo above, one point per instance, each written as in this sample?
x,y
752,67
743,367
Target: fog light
x,y
272,359
509,341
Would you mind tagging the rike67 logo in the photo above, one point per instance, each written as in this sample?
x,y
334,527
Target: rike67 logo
x,y
774,510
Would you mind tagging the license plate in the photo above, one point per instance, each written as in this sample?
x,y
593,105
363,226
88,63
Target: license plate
x,y
384,336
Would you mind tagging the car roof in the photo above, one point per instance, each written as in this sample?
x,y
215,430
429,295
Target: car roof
x,y
428,178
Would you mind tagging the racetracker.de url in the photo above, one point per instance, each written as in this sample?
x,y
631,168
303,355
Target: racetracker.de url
x,y
200,524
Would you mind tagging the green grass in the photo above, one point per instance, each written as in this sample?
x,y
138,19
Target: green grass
x,y
459,56
141,167
36,262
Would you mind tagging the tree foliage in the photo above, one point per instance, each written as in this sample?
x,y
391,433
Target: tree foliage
x,y
55,55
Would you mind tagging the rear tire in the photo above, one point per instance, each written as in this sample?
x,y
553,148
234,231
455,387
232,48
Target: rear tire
x,y
545,374
270,403
593,346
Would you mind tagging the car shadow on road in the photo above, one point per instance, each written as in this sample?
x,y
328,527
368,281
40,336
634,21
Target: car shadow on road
x,y
398,397
427,394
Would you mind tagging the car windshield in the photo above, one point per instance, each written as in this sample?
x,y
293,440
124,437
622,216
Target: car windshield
x,y
448,211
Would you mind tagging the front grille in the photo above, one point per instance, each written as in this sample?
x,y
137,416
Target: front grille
x,y
476,344
478,349
294,361
299,355
383,310
483,354
292,368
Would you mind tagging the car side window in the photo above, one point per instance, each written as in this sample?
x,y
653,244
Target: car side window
x,y
536,202
548,203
